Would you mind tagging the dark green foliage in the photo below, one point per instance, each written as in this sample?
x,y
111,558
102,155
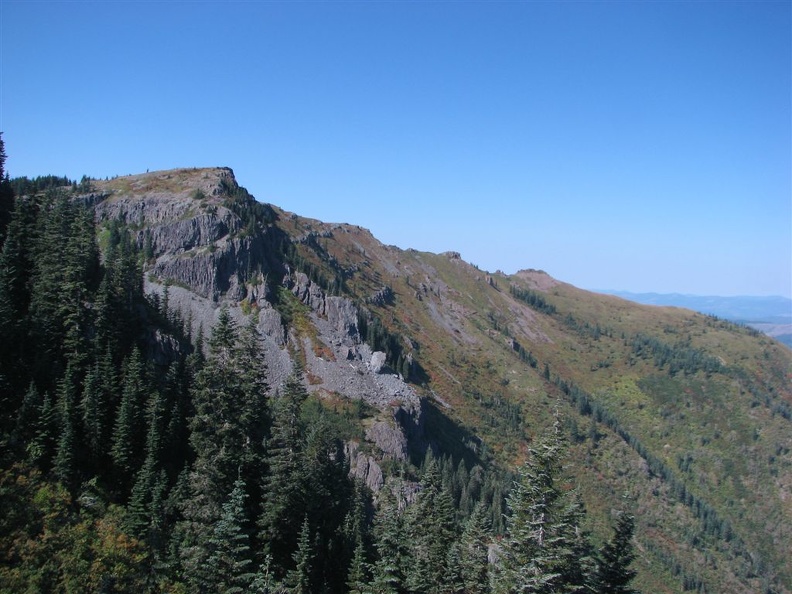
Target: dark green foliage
x,y
533,299
676,358
23,186
67,450
545,550
431,530
6,193
231,560
126,475
390,569
474,553
614,573
129,429
283,508
299,580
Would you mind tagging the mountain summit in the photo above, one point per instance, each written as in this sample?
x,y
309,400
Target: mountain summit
x,y
680,419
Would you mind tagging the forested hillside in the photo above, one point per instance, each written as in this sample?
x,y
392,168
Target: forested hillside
x,y
202,393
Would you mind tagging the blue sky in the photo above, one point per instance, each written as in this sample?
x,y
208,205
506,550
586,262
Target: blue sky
x,y
643,146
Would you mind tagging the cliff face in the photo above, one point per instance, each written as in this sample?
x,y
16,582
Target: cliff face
x,y
183,218
682,418
203,251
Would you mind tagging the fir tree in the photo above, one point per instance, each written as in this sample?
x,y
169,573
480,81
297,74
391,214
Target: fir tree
x,y
283,505
431,530
129,430
66,454
539,551
388,572
614,574
231,558
298,580
474,552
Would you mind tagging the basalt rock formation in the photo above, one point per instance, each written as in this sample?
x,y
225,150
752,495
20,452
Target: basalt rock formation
x,y
684,419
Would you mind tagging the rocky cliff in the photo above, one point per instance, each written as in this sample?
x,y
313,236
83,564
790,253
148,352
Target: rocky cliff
x,y
683,418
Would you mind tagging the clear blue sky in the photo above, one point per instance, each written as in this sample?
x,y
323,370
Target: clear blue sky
x,y
644,146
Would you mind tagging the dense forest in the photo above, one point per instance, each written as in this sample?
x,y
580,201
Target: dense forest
x,y
137,457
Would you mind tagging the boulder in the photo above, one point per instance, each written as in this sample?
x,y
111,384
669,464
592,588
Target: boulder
x,y
377,362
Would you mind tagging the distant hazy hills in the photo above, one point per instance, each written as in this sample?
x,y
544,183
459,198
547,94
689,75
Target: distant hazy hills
x,y
771,315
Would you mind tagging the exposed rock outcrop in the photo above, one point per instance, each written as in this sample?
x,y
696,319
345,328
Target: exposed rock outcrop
x,y
363,467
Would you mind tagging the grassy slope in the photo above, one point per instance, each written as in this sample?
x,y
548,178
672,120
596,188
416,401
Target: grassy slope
x,y
716,434
722,436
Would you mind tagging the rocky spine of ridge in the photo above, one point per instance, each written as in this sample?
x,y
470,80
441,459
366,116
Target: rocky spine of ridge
x,y
202,252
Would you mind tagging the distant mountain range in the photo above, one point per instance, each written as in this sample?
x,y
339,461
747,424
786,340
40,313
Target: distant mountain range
x,y
771,315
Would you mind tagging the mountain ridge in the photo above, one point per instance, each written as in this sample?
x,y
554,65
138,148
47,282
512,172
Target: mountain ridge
x,y
771,315
680,418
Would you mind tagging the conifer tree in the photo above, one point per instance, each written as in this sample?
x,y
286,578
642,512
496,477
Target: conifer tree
x,y
93,414
66,454
231,558
42,448
358,575
614,574
6,193
474,552
390,568
298,580
27,415
283,507
16,268
129,429
431,530
139,510
543,527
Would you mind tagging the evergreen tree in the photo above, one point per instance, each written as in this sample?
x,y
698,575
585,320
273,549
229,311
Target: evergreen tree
x,y
42,449
66,264
614,574
16,268
358,575
298,580
231,558
129,430
139,510
390,568
431,530
227,429
283,506
474,552
543,527
66,454
27,416
6,193
226,432
94,415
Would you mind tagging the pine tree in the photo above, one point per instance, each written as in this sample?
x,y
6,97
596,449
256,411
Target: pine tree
x,y
66,453
614,574
431,530
27,415
474,552
6,193
358,575
227,429
226,436
94,415
231,558
129,430
538,554
16,268
283,507
139,510
298,580
388,572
